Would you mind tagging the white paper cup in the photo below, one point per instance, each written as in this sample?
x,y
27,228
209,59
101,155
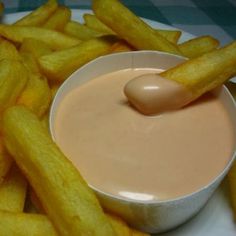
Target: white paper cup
x,y
152,216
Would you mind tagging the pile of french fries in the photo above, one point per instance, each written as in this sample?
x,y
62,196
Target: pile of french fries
x,y
41,192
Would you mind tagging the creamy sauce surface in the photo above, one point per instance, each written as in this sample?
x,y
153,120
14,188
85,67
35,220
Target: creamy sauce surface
x,y
127,154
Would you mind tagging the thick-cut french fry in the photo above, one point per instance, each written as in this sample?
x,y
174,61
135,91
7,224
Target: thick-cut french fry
x,y
206,72
80,31
36,47
198,46
171,35
5,161
94,23
13,78
54,88
8,51
25,224
13,191
36,95
30,62
130,27
66,198
38,16
56,40
121,46
59,65
120,227
58,19
138,233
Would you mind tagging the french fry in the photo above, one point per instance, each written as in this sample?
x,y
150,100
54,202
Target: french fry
x,y
8,51
36,95
121,46
206,72
130,27
38,16
171,35
94,23
56,40
66,198
120,227
36,47
59,65
25,224
13,77
13,191
5,161
198,46
138,233
80,31
30,62
54,88
58,19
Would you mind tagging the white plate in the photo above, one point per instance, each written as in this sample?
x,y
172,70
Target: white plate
x,y
216,219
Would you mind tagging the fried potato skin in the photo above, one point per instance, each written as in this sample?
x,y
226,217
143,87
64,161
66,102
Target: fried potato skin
x,y
56,40
8,51
36,47
58,19
25,224
11,84
206,72
198,46
36,94
5,161
130,27
39,15
66,198
59,65
13,191
80,31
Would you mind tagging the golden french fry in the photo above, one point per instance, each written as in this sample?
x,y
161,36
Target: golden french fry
x,y
198,46
206,72
25,224
138,233
94,23
36,47
8,51
171,35
38,16
120,227
59,65
56,40
45,121
80,31
121,46
30,62
58,19
73,212
13,77
5,161
54,88
36,94
13,191
130,27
